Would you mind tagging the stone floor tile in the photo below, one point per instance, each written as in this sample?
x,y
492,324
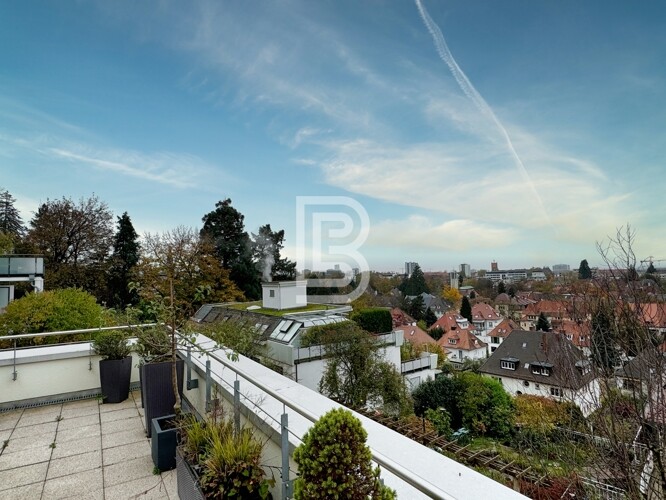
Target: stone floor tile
x,y
24,457
81,403
37,441
13,478
34,430
150,487
74,485
8,420
78,433
128,470
33,416
29,491
76,447
128,403
170,483
80,411
74,463
129,451
74,422
4,436
121,438
127,424
119,414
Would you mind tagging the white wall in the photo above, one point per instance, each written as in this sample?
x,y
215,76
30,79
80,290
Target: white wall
x,y
286,294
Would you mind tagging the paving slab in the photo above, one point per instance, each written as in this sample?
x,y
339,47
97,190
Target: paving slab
x,y
22,458
80,411
30,491
75,433
127,424
76,447
13,478
128,403
118,415
33,416
81,421
35,430
8,420
25,443
124,452
171,483
74,485
76,463
128,470
150,487
121,438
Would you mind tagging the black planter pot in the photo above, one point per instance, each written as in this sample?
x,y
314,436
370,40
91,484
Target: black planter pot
x,y
163,440
114,376
157,390
188,484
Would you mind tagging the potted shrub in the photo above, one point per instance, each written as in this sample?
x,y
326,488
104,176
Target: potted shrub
x,y
213,461
337,438
115,367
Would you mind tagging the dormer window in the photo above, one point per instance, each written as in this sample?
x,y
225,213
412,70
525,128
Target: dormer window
x,y
509,363
453,341
544,369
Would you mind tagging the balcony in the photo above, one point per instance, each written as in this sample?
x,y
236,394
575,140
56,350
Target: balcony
x,y
101,451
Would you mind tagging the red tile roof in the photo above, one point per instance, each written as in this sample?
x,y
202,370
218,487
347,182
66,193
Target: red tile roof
x,y
415,335
504,328
451,321
484,311
461,339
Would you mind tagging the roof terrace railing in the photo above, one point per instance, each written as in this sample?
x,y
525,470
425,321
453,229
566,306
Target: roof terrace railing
x,y
395,468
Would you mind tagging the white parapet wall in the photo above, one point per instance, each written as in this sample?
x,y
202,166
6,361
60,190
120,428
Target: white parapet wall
x,y
50,373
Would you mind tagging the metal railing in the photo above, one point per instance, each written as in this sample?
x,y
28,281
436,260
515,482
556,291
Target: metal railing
x,y
319,351
408,476
19,336
415,364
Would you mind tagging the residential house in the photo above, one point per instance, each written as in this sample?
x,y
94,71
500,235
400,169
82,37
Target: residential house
x,y
400,317
511,307
578,332
485,318
500,332
461,345
453,321
544,364
436,304
553,310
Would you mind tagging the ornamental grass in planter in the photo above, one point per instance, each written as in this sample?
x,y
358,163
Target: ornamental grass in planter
x,y
115,367
216,462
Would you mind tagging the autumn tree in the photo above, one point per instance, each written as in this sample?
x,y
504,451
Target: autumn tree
x,y
76,238
126,255
451,295
182,260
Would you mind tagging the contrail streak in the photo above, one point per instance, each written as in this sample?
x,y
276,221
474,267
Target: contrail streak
x,y
469,90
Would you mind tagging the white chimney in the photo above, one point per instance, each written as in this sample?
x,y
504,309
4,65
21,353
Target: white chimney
x,y
284,294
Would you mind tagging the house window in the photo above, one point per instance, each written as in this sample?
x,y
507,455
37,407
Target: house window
x,y
271,293
508,365
494,340
453,341
555,391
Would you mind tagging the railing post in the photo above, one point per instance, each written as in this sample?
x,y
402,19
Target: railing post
x,y
191,384
237,406
287,484
209,384
14,374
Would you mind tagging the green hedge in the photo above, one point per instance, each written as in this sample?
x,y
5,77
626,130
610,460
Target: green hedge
x,y
373,320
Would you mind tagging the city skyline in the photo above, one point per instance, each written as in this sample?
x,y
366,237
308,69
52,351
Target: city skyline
x,y
469,131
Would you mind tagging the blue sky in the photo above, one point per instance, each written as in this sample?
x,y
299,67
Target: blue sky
x,y
516,131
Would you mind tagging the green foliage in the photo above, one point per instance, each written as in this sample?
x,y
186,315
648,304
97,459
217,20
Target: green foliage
x,y
6,243
441,421
266,247
229,463
374,320
153,344
466,309
429,318
415,284
604,348
442,392
126,255
334,461
486,408
542,323
111,344
584,271
415,306
239,336
501,287
11,223
316,334
356,375
436,333
55,310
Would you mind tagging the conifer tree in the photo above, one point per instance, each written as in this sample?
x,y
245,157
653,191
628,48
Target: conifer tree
x,y
10,219
466,309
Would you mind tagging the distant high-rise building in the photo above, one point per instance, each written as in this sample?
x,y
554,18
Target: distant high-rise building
x,y
409,268
493,266
466,270
453,280
559,269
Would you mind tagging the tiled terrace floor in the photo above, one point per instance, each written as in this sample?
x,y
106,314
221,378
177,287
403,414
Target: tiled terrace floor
x,y
81,449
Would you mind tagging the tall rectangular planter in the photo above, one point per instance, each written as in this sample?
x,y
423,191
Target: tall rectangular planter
x,y
163,441
114,376
188,486
157,394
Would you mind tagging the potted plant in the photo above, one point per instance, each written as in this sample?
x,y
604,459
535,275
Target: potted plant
x,y
115,367
213,461
337,438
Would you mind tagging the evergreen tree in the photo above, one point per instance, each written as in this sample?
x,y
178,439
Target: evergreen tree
x,y
126,254
604,349
466,309
10,219
415,308
651,269
542,323
501,287
415,284
225,227
430,317
584,271
266,247
512,291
